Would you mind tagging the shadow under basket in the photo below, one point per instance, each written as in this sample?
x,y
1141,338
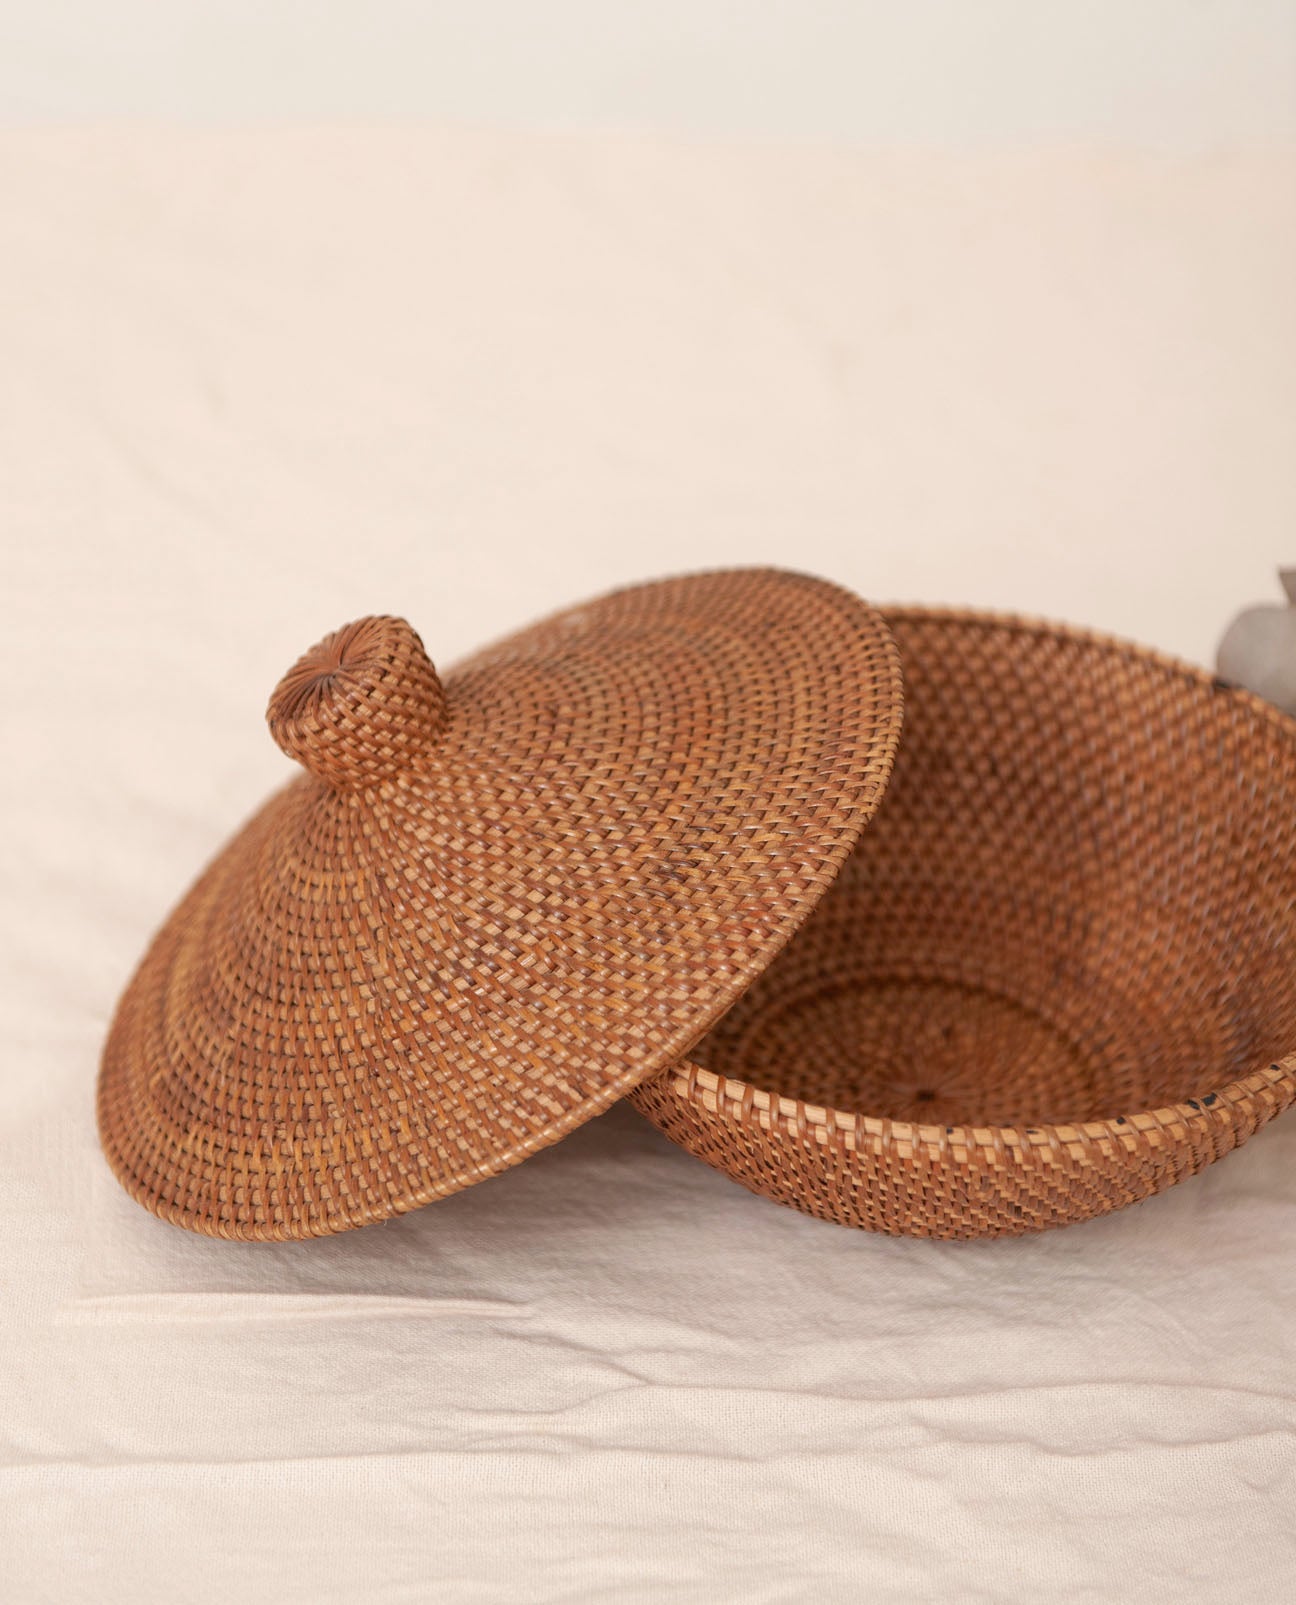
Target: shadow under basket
x,y
1057,975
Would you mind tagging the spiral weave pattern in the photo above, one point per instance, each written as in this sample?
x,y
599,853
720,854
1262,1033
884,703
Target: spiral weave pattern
x,y
490,909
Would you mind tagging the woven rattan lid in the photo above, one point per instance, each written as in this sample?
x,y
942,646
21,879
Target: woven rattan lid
x,y
494,903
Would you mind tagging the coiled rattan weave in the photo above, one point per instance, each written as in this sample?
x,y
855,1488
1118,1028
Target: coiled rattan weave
x,y
1057,975
493,906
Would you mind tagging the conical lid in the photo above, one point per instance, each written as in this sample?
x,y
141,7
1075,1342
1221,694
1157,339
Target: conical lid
x,y
494,903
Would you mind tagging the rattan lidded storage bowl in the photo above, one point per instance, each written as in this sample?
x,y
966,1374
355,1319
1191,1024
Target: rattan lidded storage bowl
x,y
624,852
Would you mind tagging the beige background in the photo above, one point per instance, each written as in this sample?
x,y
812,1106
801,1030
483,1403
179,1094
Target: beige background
x,y
1154,74
254,383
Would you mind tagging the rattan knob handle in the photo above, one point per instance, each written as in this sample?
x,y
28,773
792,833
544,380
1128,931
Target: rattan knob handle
x,y
361,706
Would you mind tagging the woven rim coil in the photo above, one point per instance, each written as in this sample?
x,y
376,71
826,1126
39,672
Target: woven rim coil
x,y
1056,976
495,902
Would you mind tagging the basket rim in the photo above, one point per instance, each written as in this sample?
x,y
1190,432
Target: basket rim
x,y
741,1101
1035,624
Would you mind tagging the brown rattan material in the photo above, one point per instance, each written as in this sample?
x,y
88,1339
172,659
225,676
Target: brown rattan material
x,y
493,906
1057,975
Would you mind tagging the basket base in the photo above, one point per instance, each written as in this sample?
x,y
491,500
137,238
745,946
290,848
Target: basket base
x,y
931,1051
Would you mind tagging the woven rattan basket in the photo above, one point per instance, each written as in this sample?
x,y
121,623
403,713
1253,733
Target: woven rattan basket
x,y
1057,975
632,849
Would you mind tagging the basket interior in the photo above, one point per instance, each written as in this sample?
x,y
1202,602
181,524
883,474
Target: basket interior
x,y
1077,901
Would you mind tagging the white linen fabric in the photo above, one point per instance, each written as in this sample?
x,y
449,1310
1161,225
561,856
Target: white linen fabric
x,y
255,384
